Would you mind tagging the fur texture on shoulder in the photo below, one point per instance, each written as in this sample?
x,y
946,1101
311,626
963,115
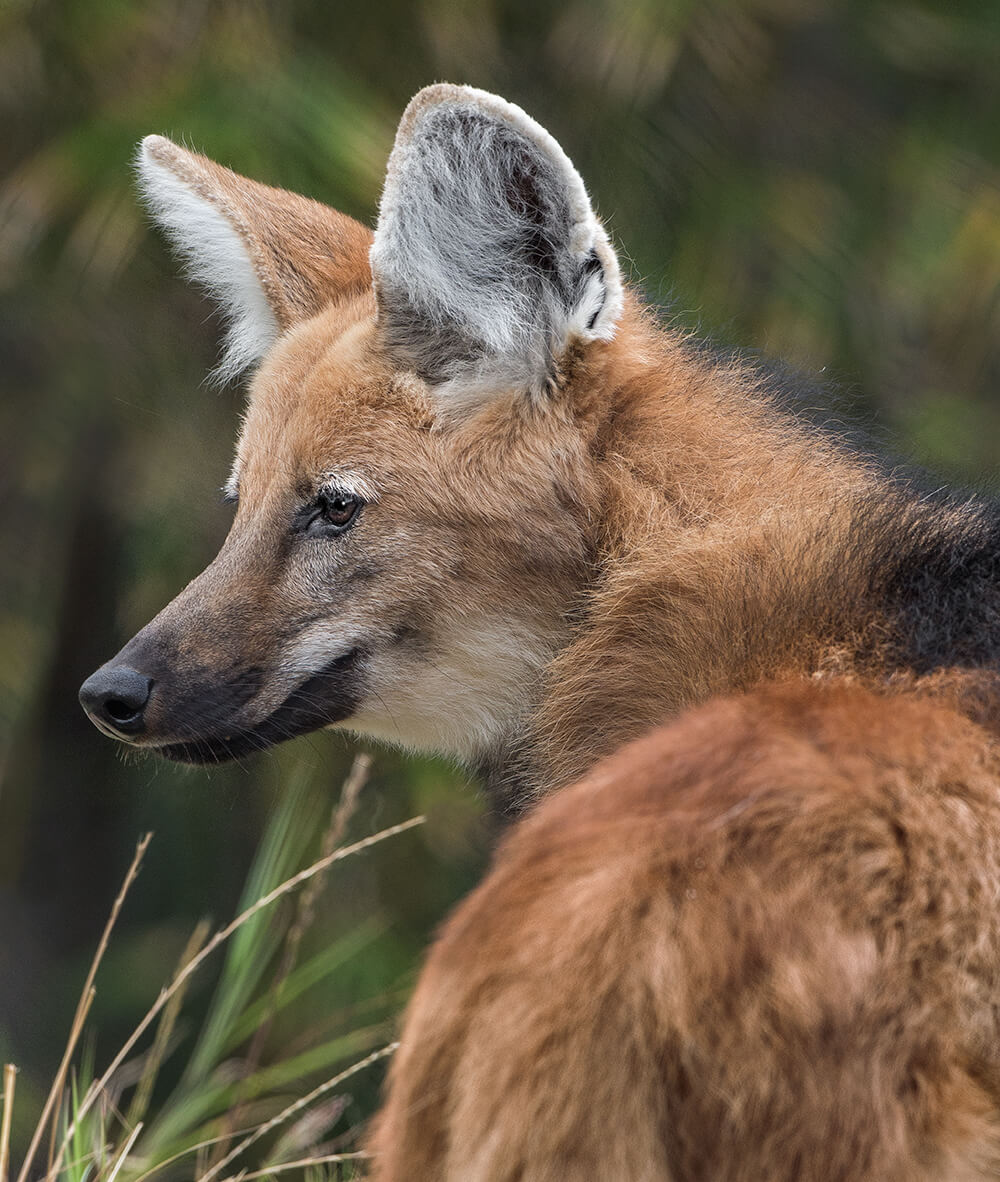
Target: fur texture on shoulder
x,y
752,945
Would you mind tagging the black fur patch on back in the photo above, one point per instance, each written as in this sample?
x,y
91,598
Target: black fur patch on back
x,y
943,584
928,559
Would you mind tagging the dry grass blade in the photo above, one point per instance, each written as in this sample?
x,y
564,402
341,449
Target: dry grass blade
x,y
342,813
126,1150
86,997
303,1102
144,1090
187,1151
98,1086
339,818
304,1163
9,1084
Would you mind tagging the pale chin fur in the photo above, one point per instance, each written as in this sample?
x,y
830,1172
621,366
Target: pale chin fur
x,y
464,701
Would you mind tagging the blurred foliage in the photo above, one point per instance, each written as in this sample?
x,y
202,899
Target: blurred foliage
x,y
818,178
228,1107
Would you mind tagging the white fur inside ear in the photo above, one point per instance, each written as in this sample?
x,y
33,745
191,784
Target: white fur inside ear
x,y
488,257
215,254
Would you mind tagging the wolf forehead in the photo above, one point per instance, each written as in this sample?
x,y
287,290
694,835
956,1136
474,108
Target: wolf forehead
x,y
322,411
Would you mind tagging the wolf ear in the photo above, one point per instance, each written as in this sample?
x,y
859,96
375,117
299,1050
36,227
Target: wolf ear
x,y
270,258
488,259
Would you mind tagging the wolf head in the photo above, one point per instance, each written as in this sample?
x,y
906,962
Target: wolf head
x,y
415,500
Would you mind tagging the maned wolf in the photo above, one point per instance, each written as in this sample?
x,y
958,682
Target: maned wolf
x,y
488,506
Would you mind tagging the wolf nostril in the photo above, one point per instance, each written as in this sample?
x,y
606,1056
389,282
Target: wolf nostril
x,y
120,711
116,695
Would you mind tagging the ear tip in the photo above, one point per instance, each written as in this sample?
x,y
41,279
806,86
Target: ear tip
x,y
426,100
157,150
439,92
452,94
155,145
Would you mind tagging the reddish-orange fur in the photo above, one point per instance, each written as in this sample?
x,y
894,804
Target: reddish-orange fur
x,y
761,942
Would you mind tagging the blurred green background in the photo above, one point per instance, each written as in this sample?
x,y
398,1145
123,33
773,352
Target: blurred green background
x,y
816,178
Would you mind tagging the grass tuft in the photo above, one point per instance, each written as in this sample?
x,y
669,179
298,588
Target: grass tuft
x,y
224,1113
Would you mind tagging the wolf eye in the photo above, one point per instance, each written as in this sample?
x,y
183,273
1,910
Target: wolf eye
x,y
331,512
336,509
339,510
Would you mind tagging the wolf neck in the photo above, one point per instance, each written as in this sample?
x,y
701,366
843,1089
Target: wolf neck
x,y
738,546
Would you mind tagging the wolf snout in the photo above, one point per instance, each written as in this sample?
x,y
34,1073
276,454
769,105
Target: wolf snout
x,y
115,699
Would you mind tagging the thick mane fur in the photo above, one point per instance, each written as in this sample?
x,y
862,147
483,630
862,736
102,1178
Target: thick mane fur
x,y
758,942
739,543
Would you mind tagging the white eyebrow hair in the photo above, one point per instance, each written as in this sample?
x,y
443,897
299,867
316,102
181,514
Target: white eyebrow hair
x,y
349,480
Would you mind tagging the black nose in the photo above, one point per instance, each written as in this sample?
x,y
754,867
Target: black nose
x,y
115,697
